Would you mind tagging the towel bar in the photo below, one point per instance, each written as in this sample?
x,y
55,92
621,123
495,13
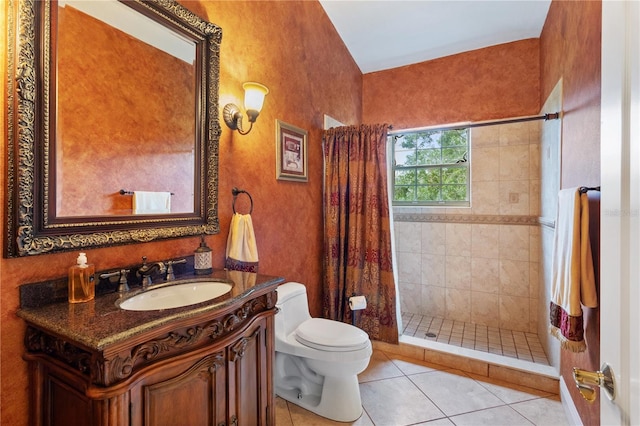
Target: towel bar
x,y
584,189
125,192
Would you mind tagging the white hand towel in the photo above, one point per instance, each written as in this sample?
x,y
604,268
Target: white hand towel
x,y
242,250
146,202
573,276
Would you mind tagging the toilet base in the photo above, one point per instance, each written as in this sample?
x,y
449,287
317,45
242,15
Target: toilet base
x,y
340,400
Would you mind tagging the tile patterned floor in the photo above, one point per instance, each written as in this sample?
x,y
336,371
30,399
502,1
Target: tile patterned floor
x,y
499,341
399,391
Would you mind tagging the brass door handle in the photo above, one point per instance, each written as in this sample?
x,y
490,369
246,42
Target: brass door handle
x,y
586,379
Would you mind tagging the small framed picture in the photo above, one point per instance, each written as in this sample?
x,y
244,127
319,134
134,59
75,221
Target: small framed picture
x,y
291,152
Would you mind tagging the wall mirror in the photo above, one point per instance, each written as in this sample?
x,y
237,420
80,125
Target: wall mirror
x,y
106,99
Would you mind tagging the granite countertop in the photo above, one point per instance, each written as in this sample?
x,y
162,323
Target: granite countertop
x,y
99,323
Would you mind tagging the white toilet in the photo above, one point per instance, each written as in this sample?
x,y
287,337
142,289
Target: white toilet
x,y
318,360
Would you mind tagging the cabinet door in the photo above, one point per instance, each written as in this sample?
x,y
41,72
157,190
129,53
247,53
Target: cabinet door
x,y
250,390
64,404
57,396
196,395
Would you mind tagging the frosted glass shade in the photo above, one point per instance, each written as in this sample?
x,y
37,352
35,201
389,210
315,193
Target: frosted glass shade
x,y
254,94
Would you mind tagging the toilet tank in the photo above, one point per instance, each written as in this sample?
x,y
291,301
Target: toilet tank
x,y
293,308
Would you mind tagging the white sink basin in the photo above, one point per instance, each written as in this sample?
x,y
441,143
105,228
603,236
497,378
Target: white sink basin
x,y
176,296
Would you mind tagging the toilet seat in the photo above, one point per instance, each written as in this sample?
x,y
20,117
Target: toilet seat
x,y
331,336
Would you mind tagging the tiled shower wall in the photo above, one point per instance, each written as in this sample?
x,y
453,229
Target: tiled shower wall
x,y
479,264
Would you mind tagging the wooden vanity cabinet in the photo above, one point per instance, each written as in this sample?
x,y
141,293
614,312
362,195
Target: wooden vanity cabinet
x,y
220,387
213,371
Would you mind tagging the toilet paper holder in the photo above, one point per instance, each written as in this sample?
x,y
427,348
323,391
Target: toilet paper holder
x,y
360,303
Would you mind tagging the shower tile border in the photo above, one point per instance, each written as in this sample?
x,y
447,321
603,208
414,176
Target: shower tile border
x,y
467,218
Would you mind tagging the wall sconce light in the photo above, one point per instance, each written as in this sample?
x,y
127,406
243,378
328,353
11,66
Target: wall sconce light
x,y
254,94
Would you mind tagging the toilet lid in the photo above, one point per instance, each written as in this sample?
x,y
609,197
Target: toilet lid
x,y
324,334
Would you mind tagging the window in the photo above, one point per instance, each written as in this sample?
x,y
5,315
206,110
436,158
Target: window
x,y
431,167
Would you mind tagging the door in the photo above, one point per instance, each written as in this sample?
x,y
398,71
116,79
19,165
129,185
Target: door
x,y
620,203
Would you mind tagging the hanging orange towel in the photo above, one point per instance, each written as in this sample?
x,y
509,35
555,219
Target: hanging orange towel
x,y
573,280
242,250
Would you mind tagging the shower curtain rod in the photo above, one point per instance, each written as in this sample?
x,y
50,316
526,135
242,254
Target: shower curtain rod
x,y
545,117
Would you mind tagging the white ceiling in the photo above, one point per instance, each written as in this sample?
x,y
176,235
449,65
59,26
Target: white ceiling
x,y
384,34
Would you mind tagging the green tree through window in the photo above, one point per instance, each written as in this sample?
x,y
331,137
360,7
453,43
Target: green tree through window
x,y
431,167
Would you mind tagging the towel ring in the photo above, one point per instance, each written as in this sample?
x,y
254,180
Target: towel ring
x,y
235,192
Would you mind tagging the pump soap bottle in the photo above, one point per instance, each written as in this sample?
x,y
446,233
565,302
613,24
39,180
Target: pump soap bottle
x,y
81,280
202,259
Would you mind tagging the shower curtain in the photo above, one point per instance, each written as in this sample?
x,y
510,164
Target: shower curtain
x,y
357,234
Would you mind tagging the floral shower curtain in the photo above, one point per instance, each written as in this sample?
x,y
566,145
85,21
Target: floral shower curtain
x,y
357,241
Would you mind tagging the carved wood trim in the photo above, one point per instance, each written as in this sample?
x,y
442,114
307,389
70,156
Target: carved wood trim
x,y
106,371
239,348
203,368
37,341
28,92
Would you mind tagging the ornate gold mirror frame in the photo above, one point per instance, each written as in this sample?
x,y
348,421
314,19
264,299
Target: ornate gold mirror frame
x,y
30,94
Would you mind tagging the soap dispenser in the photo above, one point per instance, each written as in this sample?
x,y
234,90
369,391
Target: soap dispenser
x,y
202,259
81,280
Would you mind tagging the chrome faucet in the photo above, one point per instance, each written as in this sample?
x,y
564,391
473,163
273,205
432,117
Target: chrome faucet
x,y
147,269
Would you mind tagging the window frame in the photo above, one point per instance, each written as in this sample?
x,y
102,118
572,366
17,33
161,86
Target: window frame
x,y
466,164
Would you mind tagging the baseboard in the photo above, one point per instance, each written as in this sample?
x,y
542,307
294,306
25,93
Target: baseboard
x,y
569,407
507,369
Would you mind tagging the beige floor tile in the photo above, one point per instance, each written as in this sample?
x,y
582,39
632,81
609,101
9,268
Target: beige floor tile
x,y
454,392
410,366
439,422
535,381
543,411
497,416
406,350
401,400
380,367
456,361
302,417
397,402
283,417
510,393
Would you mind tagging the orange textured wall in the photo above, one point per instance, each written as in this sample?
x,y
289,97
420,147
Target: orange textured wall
x,y
293,49
570,46
129,126
495,82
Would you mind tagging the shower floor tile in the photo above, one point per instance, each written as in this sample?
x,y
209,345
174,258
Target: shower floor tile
x,y
499,341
